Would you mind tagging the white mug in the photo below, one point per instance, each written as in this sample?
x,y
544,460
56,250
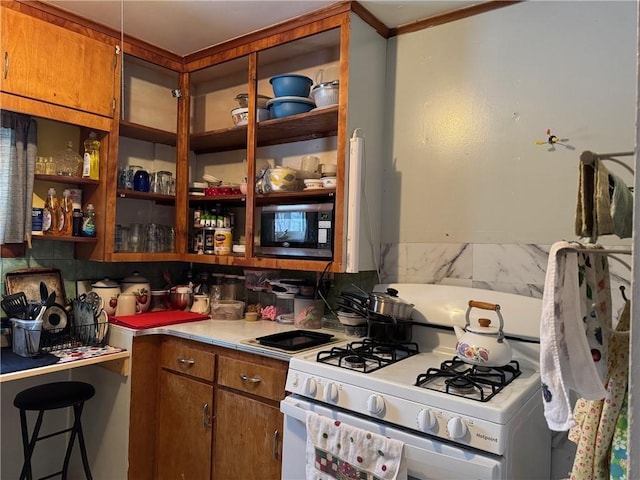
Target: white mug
x,y
127,304
200,304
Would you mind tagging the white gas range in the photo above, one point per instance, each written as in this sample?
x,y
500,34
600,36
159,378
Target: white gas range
x,y
479,429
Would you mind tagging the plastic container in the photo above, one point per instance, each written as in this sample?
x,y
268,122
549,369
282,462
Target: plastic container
x,y
222,241
89,222
26,336
227,310
51,212
291,85
308,312
286,106
284,307
91,159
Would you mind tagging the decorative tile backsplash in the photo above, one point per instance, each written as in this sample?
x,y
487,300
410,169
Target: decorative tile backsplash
x,y
516,269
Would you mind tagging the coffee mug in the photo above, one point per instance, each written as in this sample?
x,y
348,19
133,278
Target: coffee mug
x,y
200,304
127,305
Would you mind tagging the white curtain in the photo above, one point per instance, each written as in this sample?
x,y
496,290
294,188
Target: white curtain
x,y
18,150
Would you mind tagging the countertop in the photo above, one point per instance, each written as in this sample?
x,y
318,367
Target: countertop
x,y
234,334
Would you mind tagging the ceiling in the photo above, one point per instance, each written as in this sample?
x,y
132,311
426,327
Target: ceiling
x,y
187,26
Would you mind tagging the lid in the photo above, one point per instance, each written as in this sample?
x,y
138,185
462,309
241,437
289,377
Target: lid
x,y
286,295
52,191
390,296
290,99
105,283
292,75
483,328
135,278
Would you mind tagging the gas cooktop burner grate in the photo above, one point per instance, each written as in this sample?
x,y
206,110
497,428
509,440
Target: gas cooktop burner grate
x,y
367,356
457,377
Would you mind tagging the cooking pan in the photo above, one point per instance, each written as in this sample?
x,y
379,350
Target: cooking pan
x,y
380,329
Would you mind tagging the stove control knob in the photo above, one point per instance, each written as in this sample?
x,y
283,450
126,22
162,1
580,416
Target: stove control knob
x,y
375,404
330,392
456,427
426,420
310,387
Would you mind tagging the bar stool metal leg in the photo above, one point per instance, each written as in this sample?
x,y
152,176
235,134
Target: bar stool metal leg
x,y
76,430
28,444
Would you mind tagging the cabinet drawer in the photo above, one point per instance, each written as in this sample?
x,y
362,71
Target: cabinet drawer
x,y
261,380
187,358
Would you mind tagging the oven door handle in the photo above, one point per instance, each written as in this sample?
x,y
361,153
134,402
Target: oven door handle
x,y
294,408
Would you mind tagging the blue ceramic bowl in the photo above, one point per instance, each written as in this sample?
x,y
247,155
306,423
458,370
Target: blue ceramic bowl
x,y
285,106
291,85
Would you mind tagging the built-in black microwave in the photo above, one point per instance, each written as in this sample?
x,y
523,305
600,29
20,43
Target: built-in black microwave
x,y
296,230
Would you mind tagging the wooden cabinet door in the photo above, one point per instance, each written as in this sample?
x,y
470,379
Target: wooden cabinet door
x,y
50,63
248,438
183,428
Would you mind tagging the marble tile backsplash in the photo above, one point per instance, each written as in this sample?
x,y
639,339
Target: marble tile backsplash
x,y
519,269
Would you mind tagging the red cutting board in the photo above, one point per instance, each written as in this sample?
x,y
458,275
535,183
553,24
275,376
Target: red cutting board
x,y
157,319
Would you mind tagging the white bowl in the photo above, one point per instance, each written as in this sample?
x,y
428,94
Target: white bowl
x,y
240,116
326,94
329,182
351,319
312,183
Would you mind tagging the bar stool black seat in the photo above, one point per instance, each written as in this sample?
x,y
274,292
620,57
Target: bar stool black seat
x,y
52,396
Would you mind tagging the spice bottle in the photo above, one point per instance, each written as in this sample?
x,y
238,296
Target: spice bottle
x,y
91,159
50,214
89,222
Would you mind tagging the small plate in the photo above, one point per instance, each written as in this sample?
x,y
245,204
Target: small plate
x,y
314,188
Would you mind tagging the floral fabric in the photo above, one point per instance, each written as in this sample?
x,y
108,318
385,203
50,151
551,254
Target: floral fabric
x,y
596,419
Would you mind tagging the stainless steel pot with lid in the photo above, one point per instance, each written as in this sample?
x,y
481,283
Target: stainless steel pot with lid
x,y
388,303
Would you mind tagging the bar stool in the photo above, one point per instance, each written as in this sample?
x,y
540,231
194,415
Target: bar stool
x,y
52,396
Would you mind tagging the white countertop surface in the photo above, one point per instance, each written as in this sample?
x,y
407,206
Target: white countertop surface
x,y
234,334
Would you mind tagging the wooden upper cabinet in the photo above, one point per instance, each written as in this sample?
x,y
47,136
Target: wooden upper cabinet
x,y
46,62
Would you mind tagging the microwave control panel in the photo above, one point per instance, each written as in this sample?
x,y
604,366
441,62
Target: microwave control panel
x,y
325,224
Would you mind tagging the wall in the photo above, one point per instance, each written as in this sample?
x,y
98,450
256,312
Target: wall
x,y
468,194
469,197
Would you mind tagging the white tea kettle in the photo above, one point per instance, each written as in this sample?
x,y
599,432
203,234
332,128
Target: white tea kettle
x,y
482,344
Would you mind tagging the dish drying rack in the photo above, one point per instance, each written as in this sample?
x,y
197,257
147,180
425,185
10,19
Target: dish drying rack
x,y
30,342
74,336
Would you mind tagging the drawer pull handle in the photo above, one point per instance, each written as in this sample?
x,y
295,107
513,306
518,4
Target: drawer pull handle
x,y
244,378
206,418
6,65
275,444
186,361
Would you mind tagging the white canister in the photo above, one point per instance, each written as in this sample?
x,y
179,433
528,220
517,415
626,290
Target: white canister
x,y
139,286
108,290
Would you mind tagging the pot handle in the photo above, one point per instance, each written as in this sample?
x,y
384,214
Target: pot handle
x,y
486,306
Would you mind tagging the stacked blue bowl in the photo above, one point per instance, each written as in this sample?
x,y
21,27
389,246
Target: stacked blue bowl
x,y
291,95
